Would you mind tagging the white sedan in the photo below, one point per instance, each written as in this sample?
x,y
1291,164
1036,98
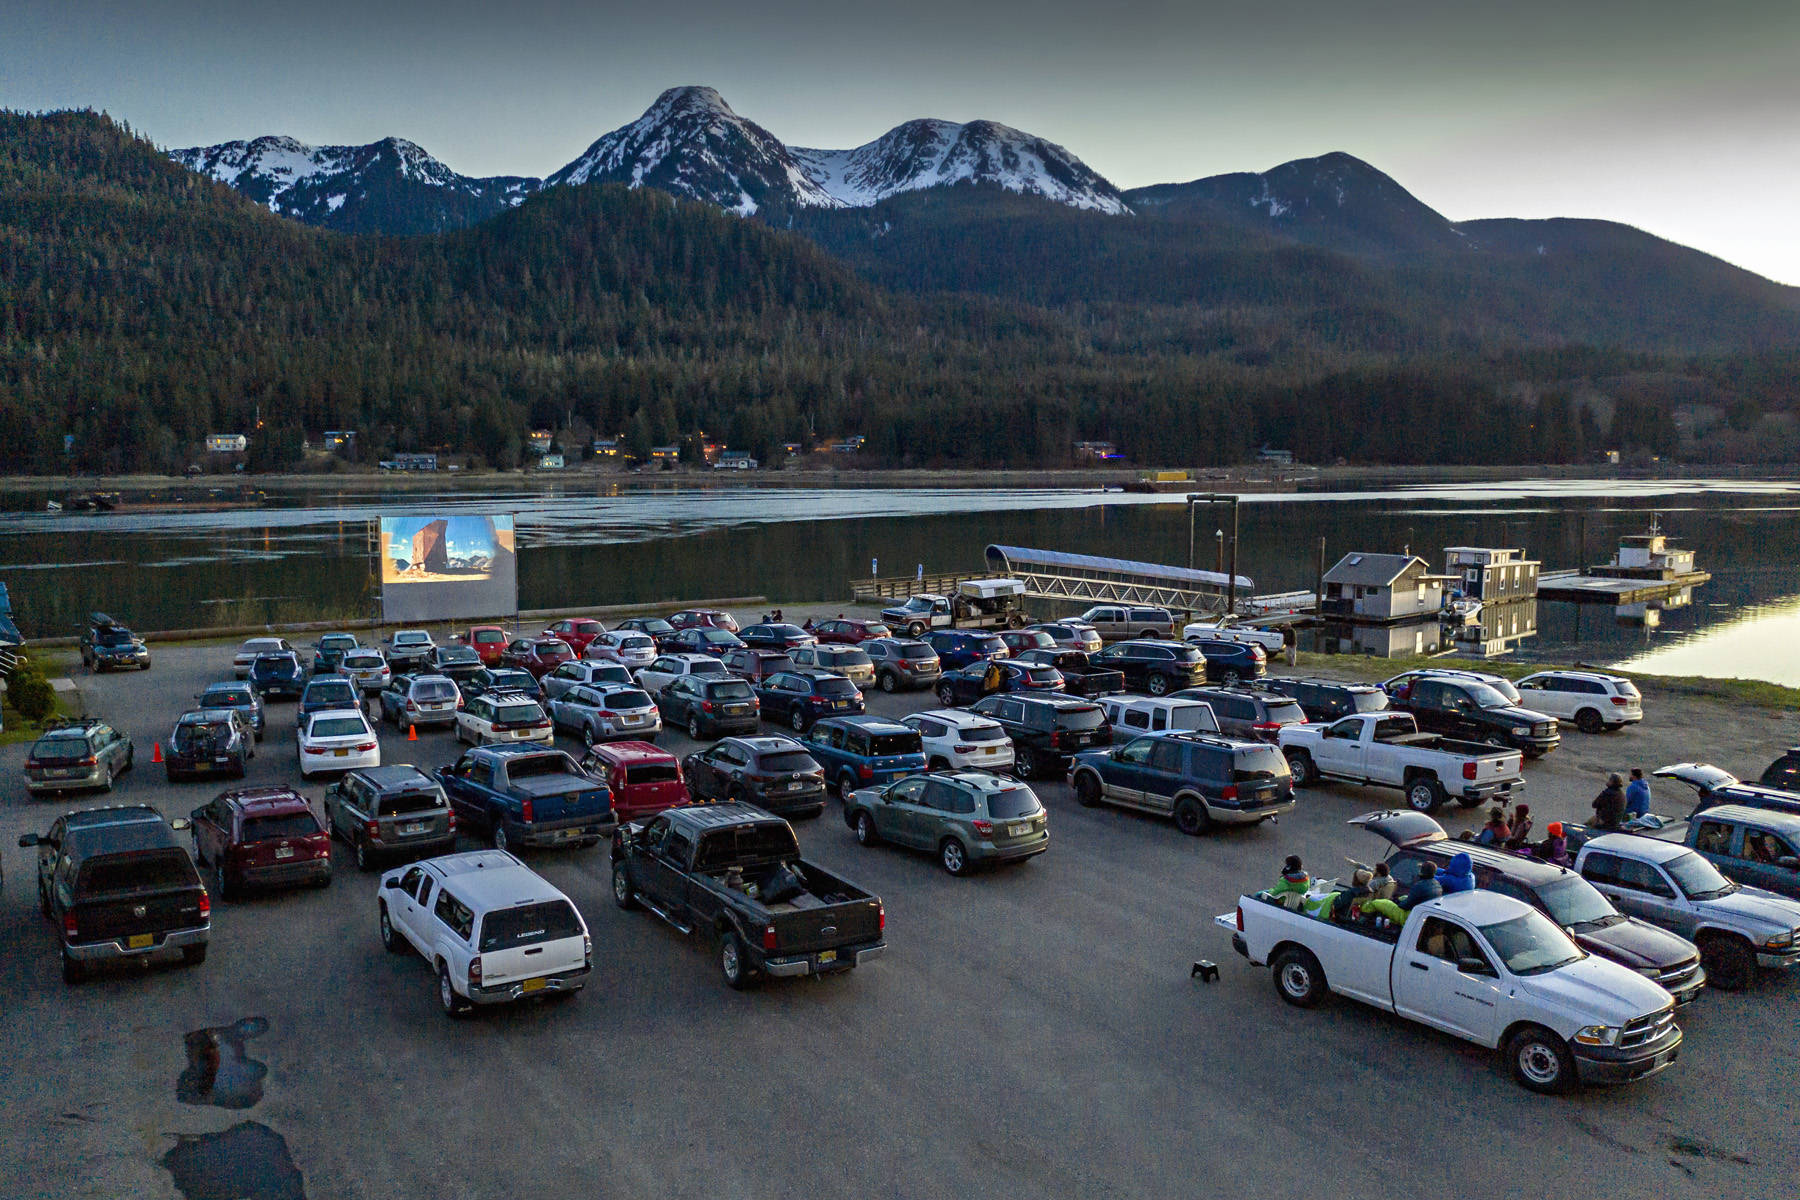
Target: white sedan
x,y
337,739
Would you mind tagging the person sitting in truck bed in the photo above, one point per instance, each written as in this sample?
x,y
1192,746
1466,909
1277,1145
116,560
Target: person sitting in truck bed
x,y
1521,828
1294,882
1346,903
1458,876
1426,887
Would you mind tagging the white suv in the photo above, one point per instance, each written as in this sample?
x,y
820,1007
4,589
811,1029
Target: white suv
x,y
502,717
669,667
1595,702
951,737
626,647
491,928
1131,715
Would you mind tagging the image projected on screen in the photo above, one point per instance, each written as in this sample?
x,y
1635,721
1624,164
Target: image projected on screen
x,y
435,567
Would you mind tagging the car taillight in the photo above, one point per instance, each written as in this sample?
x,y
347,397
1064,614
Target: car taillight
x,y
372,829
89,761
205,903
365,747
1620,701
1267,727
70,928
1240,918
452,817
411,707
1469,769
961,749
984,828
865,771
706,706
768,937
32,764
475,972
525,811
1229,792
608,713
1056,738
881,915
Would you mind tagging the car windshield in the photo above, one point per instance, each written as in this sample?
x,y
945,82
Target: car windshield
x,y
640,774
231,697
412,639
61,747
656,626
326,727
360,662
331,691
637,642
844,656
1486,697
1286,712
915,650
529,925
458,654
835,686
729,689
434,690
488,637
1251,764
1368,702
711,666
280,825
261,646
981,733
895,743
513,713
1530,944
271,664
628,698
112,637
1011,803
787,760
1080,718
1628,689
551,649
1042,674
337,641
511,679
1697,878
538,765
991,644
156,871
1572,902
403,804
1186,654
198,733
719,637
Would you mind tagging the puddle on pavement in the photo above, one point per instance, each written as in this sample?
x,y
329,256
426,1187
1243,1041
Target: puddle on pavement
x,y
220,1070
246,1162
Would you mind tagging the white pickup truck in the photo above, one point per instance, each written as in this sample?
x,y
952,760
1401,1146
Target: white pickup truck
x,y
1386,749
1485,967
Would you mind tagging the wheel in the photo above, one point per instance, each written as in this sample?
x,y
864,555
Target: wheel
x,y
954,858
1424,794
221,881
1730,963
193,956
1190,816
937,763
1540,1060
498,837
74,971
1306,772
623,895
731,961
587,736
1087,790
1148,635
1027,762
1298,977
1015,621
865,830
1588,720
1496,741
887,682
797,721
108,785
947,696
846,784
452,1004
363,860
694,727
914,630
1158,685
390,941
1230,678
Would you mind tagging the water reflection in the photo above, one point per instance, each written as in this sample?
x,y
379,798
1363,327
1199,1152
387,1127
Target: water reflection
x,y
1756,643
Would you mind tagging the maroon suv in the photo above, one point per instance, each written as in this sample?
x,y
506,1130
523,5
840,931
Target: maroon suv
x,y
540,656
576,631
849,631
261,836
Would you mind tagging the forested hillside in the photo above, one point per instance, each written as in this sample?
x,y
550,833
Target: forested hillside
x,y
143,306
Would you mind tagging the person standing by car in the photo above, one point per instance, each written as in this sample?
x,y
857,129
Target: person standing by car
x,y
1609,805
1637,795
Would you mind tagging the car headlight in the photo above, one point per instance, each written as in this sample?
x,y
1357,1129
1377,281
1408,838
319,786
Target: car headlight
x,y
1781,940
1598,1035
1650,972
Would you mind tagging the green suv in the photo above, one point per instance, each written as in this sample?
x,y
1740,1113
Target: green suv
x,y
963,817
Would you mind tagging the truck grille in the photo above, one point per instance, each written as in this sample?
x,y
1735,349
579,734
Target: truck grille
x,y
1647,1029
1679,975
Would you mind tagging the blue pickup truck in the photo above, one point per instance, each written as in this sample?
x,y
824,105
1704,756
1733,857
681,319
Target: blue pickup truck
x,y
528,796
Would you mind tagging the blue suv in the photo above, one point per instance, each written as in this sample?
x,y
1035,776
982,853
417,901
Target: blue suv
x,y
862,752
1200,779
959,647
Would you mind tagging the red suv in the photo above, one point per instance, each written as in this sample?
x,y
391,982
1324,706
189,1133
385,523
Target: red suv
x,y
540,656
489,641
847,631
576,631
266,835
644,779
710,618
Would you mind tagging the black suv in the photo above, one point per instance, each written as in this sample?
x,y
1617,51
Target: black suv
x,y
1046,731
240,697
1784,772
456,663
209,741
1328,700
1155,667
1254,714
329,650
117,886
275,675
798,698
1232,662
709,705
774,773
902,663
1476,712
331,693
1557,892
756,665
107,645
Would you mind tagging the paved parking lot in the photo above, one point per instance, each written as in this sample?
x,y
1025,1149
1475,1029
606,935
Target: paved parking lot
x,y
1031,1032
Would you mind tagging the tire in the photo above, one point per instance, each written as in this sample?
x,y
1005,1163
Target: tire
x,y
914,630
1148,635
74,970
392,942
1158,685
193,956
1190,816
887,682
937,763
694,727
1425,794
1025,761
954,858
846,783
623,895
732,967
1588,720
108,785
497,835
1087,790
1231,679
1306,772
1299,979
453,1005
587,736
363,860
1496,741
946,696
1540,1061
797,721
865,830
221,881
1730,963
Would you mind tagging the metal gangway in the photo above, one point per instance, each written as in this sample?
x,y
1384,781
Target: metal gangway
x,y
1057,575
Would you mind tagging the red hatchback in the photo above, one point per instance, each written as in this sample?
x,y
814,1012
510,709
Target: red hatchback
x,y
709,618
540,656
644,779
258,836
489,641
848,631
576,631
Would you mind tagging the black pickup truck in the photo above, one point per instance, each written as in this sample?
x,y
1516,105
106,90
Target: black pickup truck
x,y
734,872
1080,677
118,887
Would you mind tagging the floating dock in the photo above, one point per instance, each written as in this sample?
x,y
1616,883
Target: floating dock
x,y
1612,589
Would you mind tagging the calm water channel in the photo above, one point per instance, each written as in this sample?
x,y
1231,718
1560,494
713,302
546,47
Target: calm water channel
x,y
306,555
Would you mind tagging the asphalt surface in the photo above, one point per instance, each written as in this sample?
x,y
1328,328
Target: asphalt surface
x,y
1032,1031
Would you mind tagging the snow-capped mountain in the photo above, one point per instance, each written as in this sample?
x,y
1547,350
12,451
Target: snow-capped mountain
x,y
928,153
390,186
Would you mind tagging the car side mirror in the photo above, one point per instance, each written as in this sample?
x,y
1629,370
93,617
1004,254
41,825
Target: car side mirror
x,y
391,883
1473,966
195,814
30,839
180,823
1790,862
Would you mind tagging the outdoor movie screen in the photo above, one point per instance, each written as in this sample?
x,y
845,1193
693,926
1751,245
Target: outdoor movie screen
x,y
440,567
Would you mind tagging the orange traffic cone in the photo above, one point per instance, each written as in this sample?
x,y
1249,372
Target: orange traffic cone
x,y
156,752
412,733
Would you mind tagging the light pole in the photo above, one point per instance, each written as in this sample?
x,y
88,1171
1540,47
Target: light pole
x,y
1217,498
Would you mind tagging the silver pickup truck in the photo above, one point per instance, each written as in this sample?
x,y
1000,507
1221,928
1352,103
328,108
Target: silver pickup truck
x,y
1386,749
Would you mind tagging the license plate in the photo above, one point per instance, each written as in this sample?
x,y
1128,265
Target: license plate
x,y
1019,830
140,941
1083,739
827,956
341,753
284,852
533,985
203,766
991,750
840,704
736,709
413,827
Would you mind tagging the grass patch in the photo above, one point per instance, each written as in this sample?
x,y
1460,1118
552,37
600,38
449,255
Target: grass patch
x,y
55,664
1754,693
